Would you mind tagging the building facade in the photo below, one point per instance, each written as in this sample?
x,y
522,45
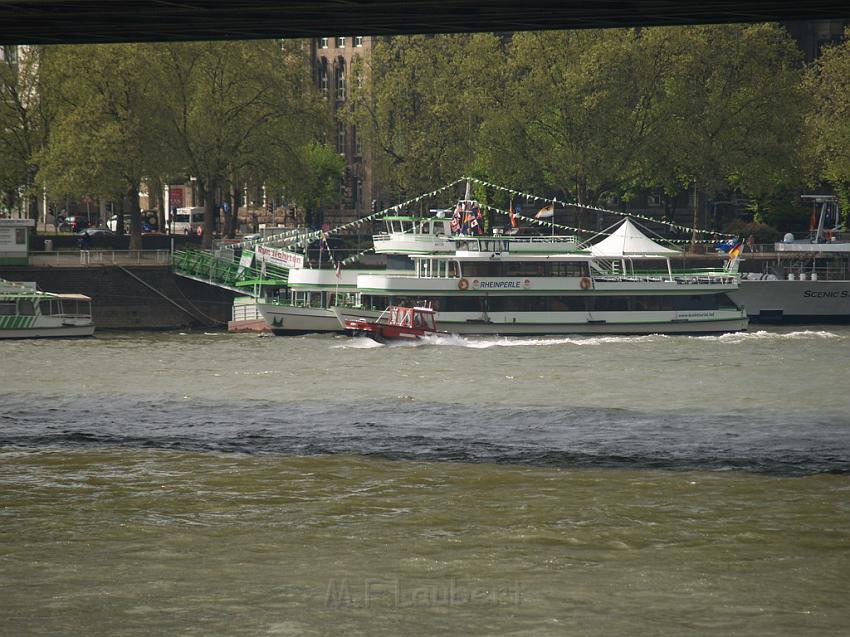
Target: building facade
x,y
335,70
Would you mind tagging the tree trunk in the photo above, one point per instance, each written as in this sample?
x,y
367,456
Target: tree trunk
x,y
132,201
210,211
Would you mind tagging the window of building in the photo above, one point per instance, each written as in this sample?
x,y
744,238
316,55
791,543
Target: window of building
x,y
358,143
323,43
340,43
323,77
653,201
340,138
358,40
340,81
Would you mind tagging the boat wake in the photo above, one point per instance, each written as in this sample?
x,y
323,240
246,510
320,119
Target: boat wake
x,y
760,335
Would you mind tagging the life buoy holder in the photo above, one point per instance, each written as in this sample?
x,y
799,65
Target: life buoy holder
x,y
463,284
585,283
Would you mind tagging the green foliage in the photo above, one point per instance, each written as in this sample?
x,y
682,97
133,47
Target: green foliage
x,y
827,83
24,120
760,232
321,176
239,113
422,106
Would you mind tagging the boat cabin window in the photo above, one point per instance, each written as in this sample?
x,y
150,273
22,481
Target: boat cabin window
x,y
46,307
7,308
26,307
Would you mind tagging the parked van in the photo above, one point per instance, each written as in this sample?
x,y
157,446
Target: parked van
x,y
186,221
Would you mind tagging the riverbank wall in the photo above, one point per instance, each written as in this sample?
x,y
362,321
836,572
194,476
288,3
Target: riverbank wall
x,y
135,297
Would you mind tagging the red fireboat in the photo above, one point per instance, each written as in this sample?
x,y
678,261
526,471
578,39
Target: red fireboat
x,y
396,323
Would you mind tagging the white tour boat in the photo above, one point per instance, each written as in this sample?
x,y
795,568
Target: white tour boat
x,y
808,281
312,292
25,312
482,288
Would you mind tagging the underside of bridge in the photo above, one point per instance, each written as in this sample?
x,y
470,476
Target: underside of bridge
x,y
100,21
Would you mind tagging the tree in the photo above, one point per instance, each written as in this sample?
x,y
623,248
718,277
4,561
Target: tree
x,y
581,112
238,113
109,127
827,84
24,122
733,110
422,104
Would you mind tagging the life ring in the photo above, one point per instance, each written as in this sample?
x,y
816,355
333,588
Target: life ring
x,y
585,283
463,284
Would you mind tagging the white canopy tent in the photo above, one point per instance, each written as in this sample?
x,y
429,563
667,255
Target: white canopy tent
x,y
626,243
629,241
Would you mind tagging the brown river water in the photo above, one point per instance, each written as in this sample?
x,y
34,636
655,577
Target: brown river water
x,y
215,484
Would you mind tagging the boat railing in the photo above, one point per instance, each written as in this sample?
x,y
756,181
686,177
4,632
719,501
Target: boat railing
x,y
708,277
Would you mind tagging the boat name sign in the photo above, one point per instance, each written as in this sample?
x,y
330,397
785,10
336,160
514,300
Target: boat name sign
x,y
512,284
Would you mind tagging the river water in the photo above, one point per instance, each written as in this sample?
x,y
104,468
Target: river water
x,y
218,484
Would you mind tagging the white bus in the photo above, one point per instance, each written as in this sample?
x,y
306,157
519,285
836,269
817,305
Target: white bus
x,y
186,220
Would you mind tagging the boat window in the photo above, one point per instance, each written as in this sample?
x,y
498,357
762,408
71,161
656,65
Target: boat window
x,y
696,302
7,308
425,228
454,268
26,307
45,307
568,268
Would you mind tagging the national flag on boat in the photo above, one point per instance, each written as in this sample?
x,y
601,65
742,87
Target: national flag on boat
x,y
338,270
456,219
736,250
546,212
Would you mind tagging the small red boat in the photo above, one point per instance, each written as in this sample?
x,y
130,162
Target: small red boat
x,y
396,324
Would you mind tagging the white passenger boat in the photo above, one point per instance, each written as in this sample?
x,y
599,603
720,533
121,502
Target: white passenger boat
x,y
609,288
807,281
306,307
26,312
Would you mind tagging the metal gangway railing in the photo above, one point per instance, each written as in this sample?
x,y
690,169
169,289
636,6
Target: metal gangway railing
x,y
224,270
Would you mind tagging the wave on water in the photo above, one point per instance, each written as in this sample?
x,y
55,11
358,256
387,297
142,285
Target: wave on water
x,y
486,342
738,337
409,429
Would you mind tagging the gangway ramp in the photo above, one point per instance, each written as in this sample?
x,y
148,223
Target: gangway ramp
x,y
225,271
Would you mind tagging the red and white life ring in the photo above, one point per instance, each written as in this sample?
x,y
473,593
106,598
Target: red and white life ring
x,y
463,284
584,283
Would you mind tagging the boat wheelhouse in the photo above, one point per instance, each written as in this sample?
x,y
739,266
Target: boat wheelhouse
x,y
26,312
622,285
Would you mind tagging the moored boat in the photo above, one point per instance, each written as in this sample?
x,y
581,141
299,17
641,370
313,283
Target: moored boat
x,y
803,280
26,312
607,288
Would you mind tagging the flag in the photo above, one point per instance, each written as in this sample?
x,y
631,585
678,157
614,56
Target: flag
x,y
736,249
338,270
512,214
813,221
546,212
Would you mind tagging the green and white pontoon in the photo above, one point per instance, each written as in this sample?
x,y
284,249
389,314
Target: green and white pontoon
x,y
25,312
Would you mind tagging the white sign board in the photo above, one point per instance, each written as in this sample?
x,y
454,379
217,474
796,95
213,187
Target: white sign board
x,y
276,256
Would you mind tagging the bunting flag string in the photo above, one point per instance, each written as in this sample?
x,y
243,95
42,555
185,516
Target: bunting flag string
x,y
558,226
532,197
309,236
